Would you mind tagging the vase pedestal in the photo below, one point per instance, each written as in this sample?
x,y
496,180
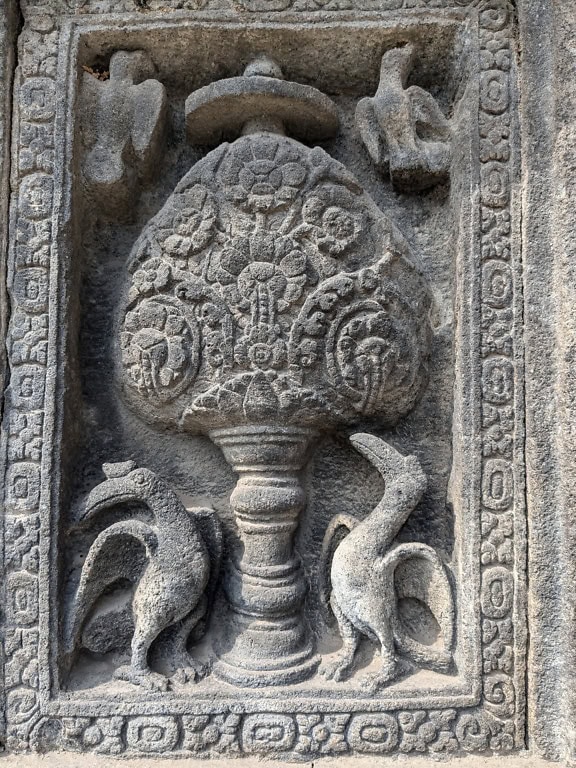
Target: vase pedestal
x,y
264,640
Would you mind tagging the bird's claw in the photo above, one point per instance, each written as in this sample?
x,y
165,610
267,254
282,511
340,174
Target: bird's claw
x,y
190,674
190,671
374,681
337,670
151,681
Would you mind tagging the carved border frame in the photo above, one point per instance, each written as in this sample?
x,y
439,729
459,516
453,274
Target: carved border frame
x,y
38,261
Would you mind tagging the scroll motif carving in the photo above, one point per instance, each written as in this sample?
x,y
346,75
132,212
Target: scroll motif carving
x,y
245,301
269,299
181,350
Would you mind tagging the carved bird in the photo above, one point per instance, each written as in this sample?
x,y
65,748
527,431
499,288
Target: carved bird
x,y
126,116
172,589
404,129
368,575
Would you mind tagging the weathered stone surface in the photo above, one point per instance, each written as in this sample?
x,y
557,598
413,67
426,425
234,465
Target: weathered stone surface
x,y
9,21
95,761
124,122
549,161
278,482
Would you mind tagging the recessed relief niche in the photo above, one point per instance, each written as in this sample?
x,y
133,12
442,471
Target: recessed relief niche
x,y
268,324
269,535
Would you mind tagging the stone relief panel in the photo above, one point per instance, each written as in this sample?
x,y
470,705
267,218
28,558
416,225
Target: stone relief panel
x,y
263,437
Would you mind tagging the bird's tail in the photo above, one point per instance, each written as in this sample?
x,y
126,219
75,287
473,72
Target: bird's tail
x,y
212,534
414,572
110,559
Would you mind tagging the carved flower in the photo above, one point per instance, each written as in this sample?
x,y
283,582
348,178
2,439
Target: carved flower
x,y
194,224
308,353
216,333
265,258
152,277
319,734
261,274
241,250
257,397
261,355
218,733
417,731
367,343
334,228
158,349
261,350
263,174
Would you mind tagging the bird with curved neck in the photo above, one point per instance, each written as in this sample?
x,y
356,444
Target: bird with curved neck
x,y
362,566
171,590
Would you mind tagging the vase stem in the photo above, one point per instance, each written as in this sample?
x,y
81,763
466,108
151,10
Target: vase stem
x,y
265,641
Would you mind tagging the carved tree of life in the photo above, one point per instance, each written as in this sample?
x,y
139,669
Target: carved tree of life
x,y
270,300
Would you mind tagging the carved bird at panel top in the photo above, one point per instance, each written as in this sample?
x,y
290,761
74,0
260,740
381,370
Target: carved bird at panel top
x,y
367,574
404,129
171,590
124,120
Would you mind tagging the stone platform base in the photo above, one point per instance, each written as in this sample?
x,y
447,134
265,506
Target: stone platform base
x,y
59,760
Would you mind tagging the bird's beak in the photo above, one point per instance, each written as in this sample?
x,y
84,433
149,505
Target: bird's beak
x,y
372,448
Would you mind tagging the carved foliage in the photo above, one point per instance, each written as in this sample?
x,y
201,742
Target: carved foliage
x,y
270,286
250,6
437,732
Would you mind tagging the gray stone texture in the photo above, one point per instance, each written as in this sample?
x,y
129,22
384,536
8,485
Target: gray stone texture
x,y
9,24
286,437
548,234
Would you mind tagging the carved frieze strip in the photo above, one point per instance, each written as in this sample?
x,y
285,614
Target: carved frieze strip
x,y
438,732
272,7
501,376
25,446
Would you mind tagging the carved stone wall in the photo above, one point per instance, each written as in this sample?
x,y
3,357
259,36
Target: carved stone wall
x,y
264,428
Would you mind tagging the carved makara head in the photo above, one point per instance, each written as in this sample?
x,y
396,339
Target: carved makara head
x,y
270,289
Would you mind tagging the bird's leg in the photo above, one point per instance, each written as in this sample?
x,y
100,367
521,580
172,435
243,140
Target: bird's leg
x,y
187,668
339,668
138,672
389,667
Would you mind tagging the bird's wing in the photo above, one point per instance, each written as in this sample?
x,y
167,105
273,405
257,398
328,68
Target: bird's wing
x,y
371,132
338,528
110,558
148,111
414,571
428,115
